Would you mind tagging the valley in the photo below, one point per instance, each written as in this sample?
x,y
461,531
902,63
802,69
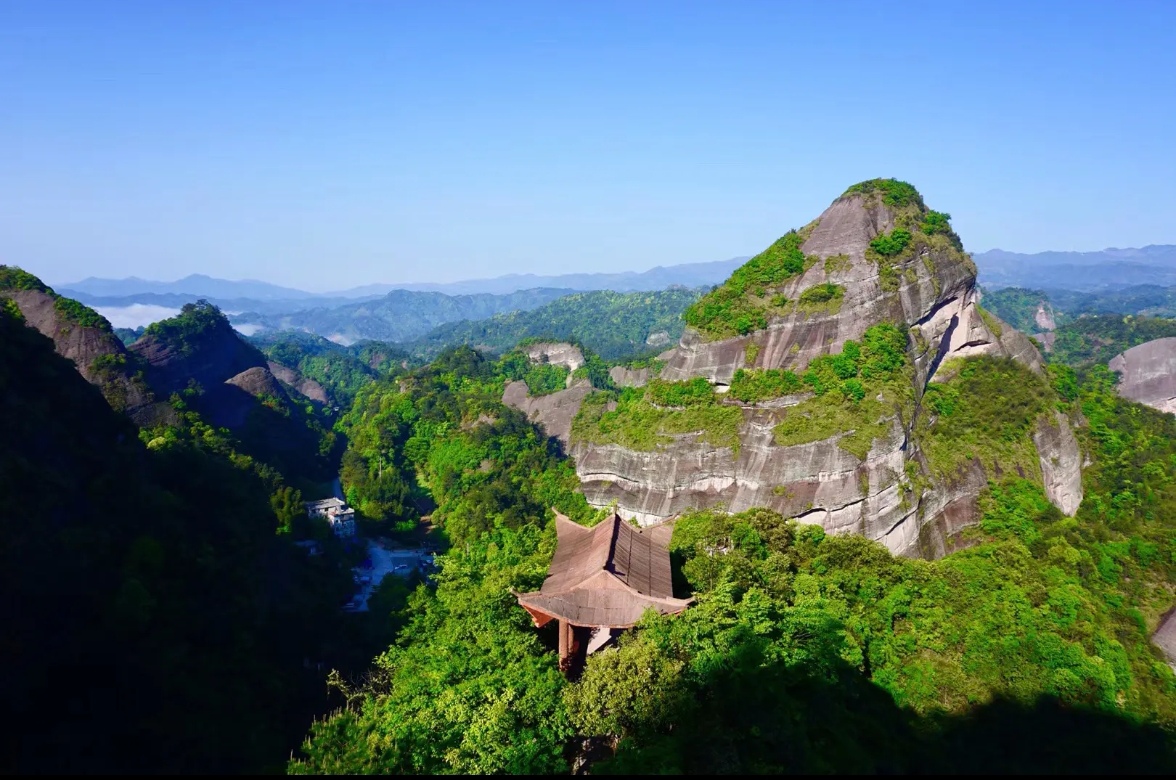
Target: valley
x,y
913,530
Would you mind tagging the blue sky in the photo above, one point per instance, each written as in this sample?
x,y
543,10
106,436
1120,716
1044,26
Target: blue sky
x,y
329,144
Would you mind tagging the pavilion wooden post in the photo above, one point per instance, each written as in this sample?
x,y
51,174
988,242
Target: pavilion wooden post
x,y
565,644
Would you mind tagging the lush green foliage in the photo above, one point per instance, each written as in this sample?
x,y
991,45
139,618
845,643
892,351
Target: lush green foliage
x,y
1144,300
545,379
16,280
768,672
743,303
648,418
891,244
403,315
469,686
856,392
1018,307
129,336
936,222
79,314
441,435
986,411
754,385
895,193
1090,340
185,329
612,324
1026,652
342,371
822,298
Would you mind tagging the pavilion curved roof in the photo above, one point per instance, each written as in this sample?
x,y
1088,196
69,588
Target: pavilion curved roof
x,y
608,575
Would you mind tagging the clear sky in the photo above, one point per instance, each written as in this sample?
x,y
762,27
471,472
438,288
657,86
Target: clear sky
x,y
329,144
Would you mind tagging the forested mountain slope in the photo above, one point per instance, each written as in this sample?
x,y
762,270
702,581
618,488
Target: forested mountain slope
x,y
1027,651
84,337
154,619
614,325
400,315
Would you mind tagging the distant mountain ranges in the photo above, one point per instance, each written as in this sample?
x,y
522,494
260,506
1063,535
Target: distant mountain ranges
x,y
1109,269
116,292
1128,280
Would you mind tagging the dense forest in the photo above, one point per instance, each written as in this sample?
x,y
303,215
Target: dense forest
x,y
341,370
156,617
159,598
1095,340
1027,651
615,325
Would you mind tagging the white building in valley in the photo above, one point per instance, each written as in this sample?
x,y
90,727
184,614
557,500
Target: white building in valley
x,y
335,511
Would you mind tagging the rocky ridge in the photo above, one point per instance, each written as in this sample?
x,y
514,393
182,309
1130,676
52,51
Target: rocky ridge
x,y
99,355
929,289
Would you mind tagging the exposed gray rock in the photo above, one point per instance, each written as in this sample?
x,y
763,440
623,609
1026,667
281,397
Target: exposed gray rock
x,y
308,388
1061,464
629,377
1149,374
100,357
1044,317
1165,637
935,296
555,411
557,353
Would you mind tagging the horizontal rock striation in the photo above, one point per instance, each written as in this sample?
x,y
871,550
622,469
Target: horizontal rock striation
x,y
929,290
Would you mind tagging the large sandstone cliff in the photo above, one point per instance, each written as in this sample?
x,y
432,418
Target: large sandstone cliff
x,y
930,291
1148,374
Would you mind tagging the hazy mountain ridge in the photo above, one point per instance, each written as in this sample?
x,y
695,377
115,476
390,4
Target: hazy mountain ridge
x,y
401,315
116,292
1112,268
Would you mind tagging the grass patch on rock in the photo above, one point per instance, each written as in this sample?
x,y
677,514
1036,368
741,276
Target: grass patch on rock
x,y
987,410
648,418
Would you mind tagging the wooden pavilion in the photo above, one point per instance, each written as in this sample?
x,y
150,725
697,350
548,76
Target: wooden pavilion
x,y
601,581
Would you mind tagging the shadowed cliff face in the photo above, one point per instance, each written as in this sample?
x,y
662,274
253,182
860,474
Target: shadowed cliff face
x,y
208,357
98,354
928,288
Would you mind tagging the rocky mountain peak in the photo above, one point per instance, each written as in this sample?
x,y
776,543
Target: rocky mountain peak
x,y
799,385
876,255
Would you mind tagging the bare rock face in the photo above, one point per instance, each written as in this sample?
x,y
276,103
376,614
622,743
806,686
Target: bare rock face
x,y
1165,637
1149,374
555,411
258,382
99,355
935,292
932,294
308,388
1044,317
629,377
214,356
1061,464
558,354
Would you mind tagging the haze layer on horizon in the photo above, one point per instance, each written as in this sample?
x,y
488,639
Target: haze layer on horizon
x,y
328,145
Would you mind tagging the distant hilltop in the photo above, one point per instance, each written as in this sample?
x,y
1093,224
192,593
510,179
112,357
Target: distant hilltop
x,y
1108,269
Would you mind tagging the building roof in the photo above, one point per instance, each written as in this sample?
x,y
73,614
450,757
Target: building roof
x,y
326,503
604,576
